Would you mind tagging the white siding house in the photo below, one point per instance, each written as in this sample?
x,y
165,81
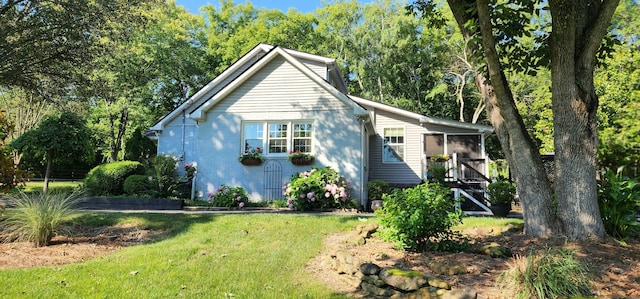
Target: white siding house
x,y
267,95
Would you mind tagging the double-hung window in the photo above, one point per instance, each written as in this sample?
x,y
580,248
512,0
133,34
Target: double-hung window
x,y
277,137
393,147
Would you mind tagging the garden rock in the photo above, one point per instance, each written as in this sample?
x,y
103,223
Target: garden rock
x,y
460,294
366,230
446,268
495,250
374,290
405,280
369,269
439,283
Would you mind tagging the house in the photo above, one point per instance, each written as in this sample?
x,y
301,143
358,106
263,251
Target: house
x,y
282,100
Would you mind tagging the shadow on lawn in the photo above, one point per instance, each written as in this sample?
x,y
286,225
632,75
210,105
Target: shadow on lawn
x,y
169,225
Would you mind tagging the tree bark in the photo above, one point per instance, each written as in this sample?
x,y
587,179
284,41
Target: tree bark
x,y
47,173
578,30
526,166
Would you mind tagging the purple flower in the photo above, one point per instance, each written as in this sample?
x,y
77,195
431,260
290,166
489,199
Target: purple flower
x,y
310,195
302,195
289,201
241,204
239,198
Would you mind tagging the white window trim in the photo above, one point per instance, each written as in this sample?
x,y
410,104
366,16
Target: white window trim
x,y
265,136
404,147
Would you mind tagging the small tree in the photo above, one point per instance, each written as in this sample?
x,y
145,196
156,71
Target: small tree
x,y
57,137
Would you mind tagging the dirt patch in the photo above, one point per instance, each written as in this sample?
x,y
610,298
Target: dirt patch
x,y
78,245
615,267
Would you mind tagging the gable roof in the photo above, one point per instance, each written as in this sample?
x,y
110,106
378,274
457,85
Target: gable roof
x,y
199,113
421,118
196,108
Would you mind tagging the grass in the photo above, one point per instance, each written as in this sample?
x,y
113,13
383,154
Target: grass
x,y
486,222
58,186
202,256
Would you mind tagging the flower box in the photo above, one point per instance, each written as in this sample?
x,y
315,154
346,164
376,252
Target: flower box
x,y
301,161
250,161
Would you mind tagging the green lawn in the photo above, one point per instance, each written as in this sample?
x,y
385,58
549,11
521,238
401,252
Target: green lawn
x,y
57,186
202,256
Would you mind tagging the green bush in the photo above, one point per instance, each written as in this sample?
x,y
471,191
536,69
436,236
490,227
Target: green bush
x,y
501,191
37,216
552,274
108,179
421,218
318,188
137,184
618,201
377,188
227,196
164,177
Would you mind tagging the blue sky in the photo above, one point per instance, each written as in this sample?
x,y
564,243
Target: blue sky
x,y
284,5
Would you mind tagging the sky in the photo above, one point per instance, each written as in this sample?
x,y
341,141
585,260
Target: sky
x,y
300,5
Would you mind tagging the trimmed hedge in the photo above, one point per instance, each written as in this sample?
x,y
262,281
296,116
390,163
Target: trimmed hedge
x,y
108,179
137,184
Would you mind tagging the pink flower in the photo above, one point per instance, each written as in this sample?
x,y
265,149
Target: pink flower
x,y
327,194
239,198
241,204
301,195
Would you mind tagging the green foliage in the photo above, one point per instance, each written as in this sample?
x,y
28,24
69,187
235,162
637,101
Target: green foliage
x,y
137,184
420,218
37,216
551,274
318,188
377,188
139,147
63,136
502,191
164,178
108,179
618,199
229,197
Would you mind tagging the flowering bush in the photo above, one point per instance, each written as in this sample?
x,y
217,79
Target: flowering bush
x,y
227,196
317,188
297,154
252,154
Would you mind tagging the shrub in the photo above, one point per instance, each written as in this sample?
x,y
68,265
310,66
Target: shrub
x,y
501,191
137,184
37,216
318,188
108,179
420,218
618,200
376,189
551,274
227,196
164,178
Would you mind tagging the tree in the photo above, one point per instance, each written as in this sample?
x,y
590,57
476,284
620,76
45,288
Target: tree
x,y
578,29
44,43
64,136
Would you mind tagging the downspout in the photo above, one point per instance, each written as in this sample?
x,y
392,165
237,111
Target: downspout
x,y
193,185
184,130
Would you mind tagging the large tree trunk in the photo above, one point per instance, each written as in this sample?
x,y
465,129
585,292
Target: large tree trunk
x,y
578,30
530,176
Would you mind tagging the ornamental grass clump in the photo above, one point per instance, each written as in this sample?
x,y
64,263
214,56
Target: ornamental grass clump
x,y
229,197
37,217
421,218
318,188
553,273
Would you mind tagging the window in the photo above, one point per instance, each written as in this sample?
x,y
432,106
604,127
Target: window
x,y
393,147
277,137
302,138
253,137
